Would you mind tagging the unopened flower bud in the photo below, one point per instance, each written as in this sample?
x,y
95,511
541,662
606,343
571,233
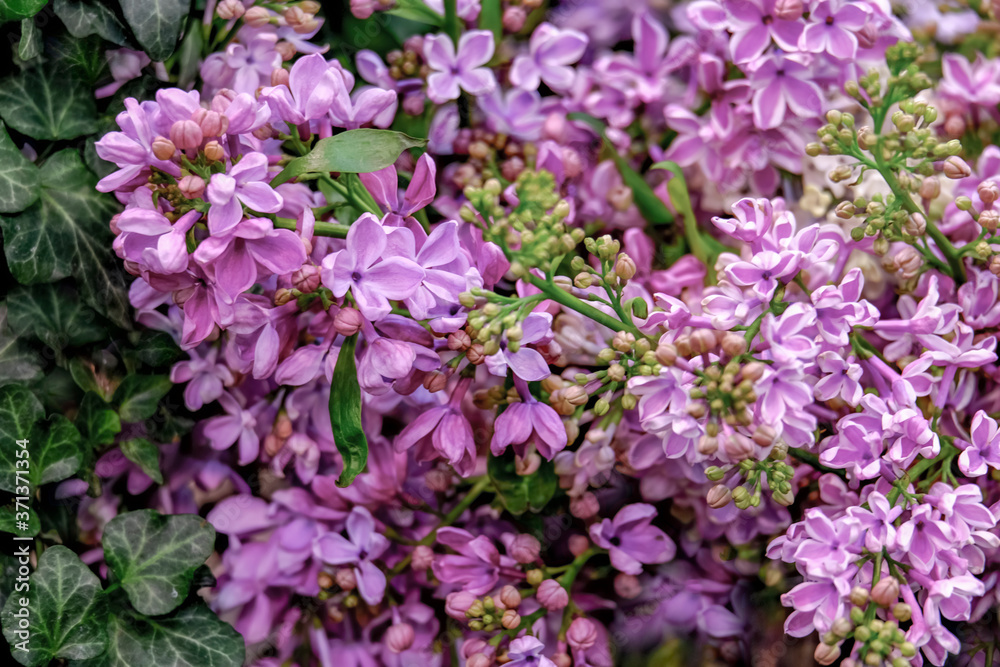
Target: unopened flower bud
x,y
230,9
477,659
581,634
258,17
859,596
886,591
163,148
399,637
212,123
845,210
552,595
192,186
423,557
348,321
955,167
578,544
458,604
627,586
282,296
186,134
741,497
826,654
510,619
534,577
902,612
842,626
625,267
915,225
279,76
840,173
476,354
525,548
459,341
734,344
562,660
930,188
988,192
719,496
514,18
989,220
510,597
584,506
346,579
738,447
214,151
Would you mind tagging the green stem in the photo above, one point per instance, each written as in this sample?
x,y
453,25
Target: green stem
x,y
451,23
564,298
351,196
812,460
330,229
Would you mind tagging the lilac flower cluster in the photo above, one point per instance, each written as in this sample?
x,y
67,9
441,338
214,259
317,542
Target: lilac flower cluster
x,y
585,301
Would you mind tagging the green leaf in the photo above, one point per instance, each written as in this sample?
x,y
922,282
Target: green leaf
x,y
55,451
84,17
144,454
191,637
54,315
18,362
345,414
13,521
85,58
68,618
11,10
155,556
97,422
30,45
155,348
491,18
189,56
156,24
20,183
19,412
354,151
416,10
66,233
46,103
522,493
138,396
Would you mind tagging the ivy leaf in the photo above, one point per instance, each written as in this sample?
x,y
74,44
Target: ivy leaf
x,y
156,348
19,179
19,9
156,24
191,637
19,412
45,103
10,523
96,421
18,362
345,414
54,315
66,233
416,10
138,396
30,45
66,609
354,151
83,18
520,493
55,451
155,556
144,454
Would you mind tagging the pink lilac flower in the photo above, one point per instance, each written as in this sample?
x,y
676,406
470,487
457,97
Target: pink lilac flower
x,y
362,545
452,72
631,539
551,52
244,184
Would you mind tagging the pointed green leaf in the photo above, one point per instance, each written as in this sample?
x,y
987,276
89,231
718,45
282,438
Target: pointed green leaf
x,y
144,454
156,348
87,17
53,314
520,493
11,10
20,411
138,396
20,183
13,520
156,24
66,611
155,556
30,45
96,421
55,451
66,233
18,362
345,414
354,151
190,637
45,103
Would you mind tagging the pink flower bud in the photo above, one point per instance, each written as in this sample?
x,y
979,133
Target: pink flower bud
x,y
514,18
562,660
581,634
627,585
163,148
182,295
954,126
306,279
413,103
286,50
930,188
524,549
399,637
478,659
456,604
470,647
348,321
737,446
423,558
510,597
988,192
186,134
555,127
459,341
734,344
438,480
212,123
719,496
886,591
346,579
258,17
990,220
788,10
362,9
552,595
826,654
435,381
527,465
955,167
279,76
192,186
578,544
867,36
510,619
230,9
114,224
585,506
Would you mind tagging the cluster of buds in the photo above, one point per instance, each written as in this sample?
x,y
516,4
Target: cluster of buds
x,y
614,268
487,151
626,357
488,613
408,62
772,474
880,642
